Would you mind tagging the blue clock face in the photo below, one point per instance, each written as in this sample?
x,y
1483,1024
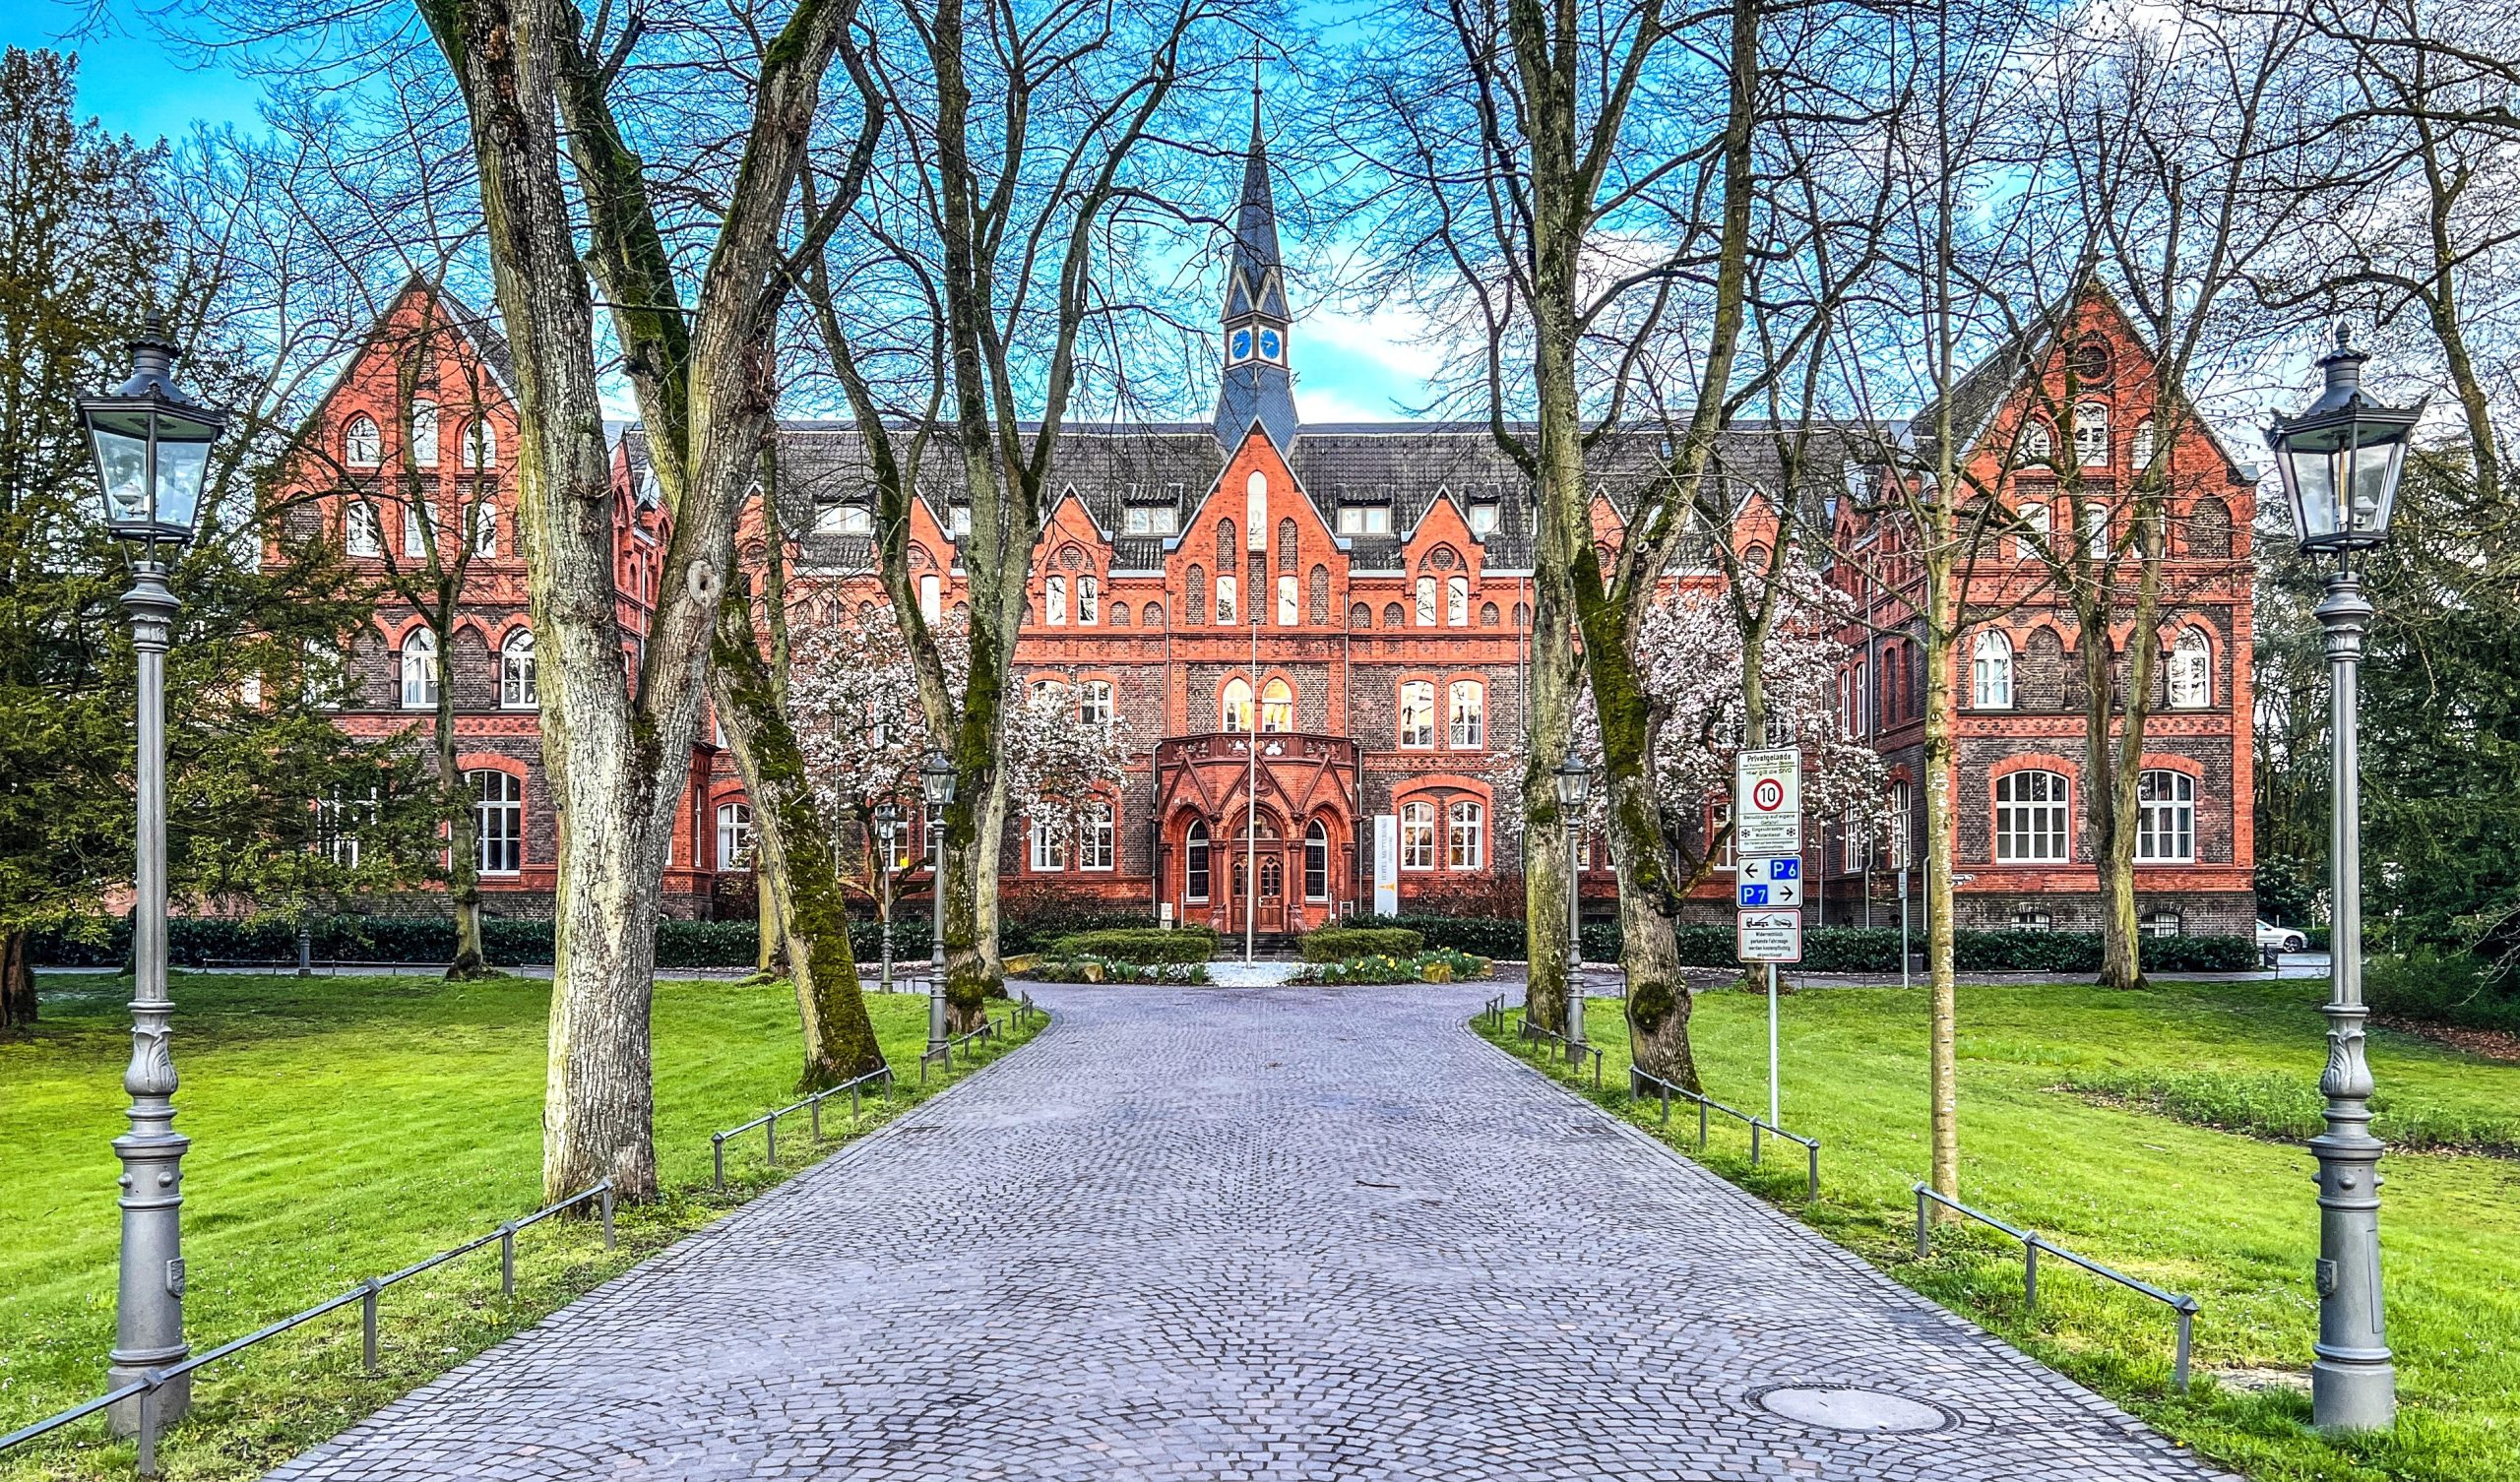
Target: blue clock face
x,y
1268,344
1242,344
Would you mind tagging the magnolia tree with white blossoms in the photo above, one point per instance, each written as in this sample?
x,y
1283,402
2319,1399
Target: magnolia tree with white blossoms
x,y
853,702
1691,651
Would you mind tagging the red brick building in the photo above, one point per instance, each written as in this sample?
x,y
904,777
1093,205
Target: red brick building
x,y
1358,595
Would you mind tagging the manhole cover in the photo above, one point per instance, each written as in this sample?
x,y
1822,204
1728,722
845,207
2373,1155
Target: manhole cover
x,y
1841,1407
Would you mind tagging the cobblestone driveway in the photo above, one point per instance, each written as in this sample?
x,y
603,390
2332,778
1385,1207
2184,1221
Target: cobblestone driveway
x,y
1267,1234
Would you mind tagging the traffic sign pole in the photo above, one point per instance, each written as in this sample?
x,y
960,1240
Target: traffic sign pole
x,y
1773,1120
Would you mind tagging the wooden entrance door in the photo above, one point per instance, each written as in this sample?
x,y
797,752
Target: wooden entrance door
x,y
1265,908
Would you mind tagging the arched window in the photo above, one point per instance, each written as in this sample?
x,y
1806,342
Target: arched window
x,y
1489,616
1194,865
2139,450
1319,606
1457,601
1361,615
1089,599
1464,836
1522,616
2166,818
2030,818
2191,671
1277,706
1417,836
931,596
1235,707
734,835
517,689
1151,615
481,444
1391,614
1195,596
2090,435
1425,602
1120,614
361,446
1097,831
420,670
2033,543
1468,727
1418,714
499,823
1286,545
1991,672
1225,545
1316,861
2038,444
2209,530
483,517
1055,601
424,434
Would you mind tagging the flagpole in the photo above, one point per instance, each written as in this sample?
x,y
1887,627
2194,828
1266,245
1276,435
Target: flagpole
x,y
1251,796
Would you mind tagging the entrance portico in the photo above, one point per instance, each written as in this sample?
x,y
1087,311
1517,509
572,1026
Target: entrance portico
x,y
1286,853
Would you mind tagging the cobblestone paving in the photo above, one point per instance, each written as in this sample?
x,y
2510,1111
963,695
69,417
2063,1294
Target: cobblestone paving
x,y
1279,1234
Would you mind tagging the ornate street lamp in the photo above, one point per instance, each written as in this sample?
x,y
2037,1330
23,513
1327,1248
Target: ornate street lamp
x,y
152,444
1574,782
2339,462
936,784
886,817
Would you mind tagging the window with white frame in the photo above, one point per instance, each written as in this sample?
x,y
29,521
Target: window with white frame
x,y
1089,599
1467,725
1286,595
1149,520
958,521
1457,601
498,822
518,686
1097,833
1464,834
363,533
2139,451
1048,855
481,444
2030,818
362,447
1233,704
2159,924
337,826
1094,706
734,835
420,670
1991,672
2032,540
1365,519
1224,599
1855,840
1483,519
424,434
843,519
1417,836
1418,712
2166,818
1055,601
2038,444
1277,706
420,528
931,597
1194,865
1316,861
2090,435
483,519
1899,829
2094,516
1719,835
2032,919
2191,671
1425,602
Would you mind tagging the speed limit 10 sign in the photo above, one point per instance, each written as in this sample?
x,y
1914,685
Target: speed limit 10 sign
x,y
1767,802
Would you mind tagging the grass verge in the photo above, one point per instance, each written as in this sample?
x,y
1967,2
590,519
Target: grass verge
x,y
343,1127
2226,1217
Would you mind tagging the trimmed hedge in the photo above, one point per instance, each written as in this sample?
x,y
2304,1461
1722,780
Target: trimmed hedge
x,y
196,940
1852,948
1340,944
1139,946
2443,988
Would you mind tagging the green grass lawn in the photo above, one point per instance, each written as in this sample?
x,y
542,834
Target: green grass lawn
x,y
343,1127
2227,1217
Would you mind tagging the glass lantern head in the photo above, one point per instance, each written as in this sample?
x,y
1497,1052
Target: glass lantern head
x,y
1574,782
2340,459
152,444
936,780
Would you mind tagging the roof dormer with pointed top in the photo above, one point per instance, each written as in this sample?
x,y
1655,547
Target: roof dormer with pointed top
x,y
1258,386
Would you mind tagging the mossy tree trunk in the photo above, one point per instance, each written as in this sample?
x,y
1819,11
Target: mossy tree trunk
x,y
17,981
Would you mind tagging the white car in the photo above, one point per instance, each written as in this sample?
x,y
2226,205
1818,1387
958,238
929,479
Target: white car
x,y
2280,938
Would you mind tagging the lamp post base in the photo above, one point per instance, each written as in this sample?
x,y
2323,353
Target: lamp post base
x,y
2353,1395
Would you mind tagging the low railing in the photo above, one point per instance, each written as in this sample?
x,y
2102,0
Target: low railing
x,y
1575,1049
769,1121
1494,1015
1757,1123
143,1389
1018,1015
2032,1243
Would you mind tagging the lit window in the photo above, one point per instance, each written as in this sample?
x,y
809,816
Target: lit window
x,y
1418,714
1991,672
424,434
734,835
1463,836
1417,836
1467,729
1055,601
1365,519
1425,602
2090,435
1089,599
1095,838
517,689
1194,865
420,670
1457,601
361,446
2191,671
1316,861
2030,818
1277,706
363,533
1236,706
2166,818
499,823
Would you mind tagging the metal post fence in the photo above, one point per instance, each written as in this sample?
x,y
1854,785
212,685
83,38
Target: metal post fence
x,y
768,1120
1760,1127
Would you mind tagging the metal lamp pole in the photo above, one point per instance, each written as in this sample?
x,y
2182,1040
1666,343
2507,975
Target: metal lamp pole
x,y
1574,784
151,448
884,823
936,784
2339,462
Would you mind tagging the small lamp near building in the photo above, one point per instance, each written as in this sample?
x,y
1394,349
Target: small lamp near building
x,y
1574,782
886,820
936,784
2340,461
152,444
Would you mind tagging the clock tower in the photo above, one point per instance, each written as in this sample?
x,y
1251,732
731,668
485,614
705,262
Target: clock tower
x,y
1258,386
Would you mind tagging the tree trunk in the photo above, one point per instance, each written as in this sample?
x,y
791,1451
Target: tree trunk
x,y
789,864
17,982
1564,536
769,887
1942,1073
462,824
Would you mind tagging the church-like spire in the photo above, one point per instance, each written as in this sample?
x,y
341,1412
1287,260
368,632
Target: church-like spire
x,y
1257,385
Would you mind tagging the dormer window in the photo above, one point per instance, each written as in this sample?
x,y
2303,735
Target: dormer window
x,y
843,519
1365,519
1483,519
1149,520
958,521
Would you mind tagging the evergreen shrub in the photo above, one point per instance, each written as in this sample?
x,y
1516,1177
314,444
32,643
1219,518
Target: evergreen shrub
x,y
1338,944
1141,945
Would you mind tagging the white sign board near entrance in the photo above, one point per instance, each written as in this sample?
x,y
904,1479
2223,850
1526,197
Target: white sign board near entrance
x,y
1768,936
1767,802
1769,884
1386,864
